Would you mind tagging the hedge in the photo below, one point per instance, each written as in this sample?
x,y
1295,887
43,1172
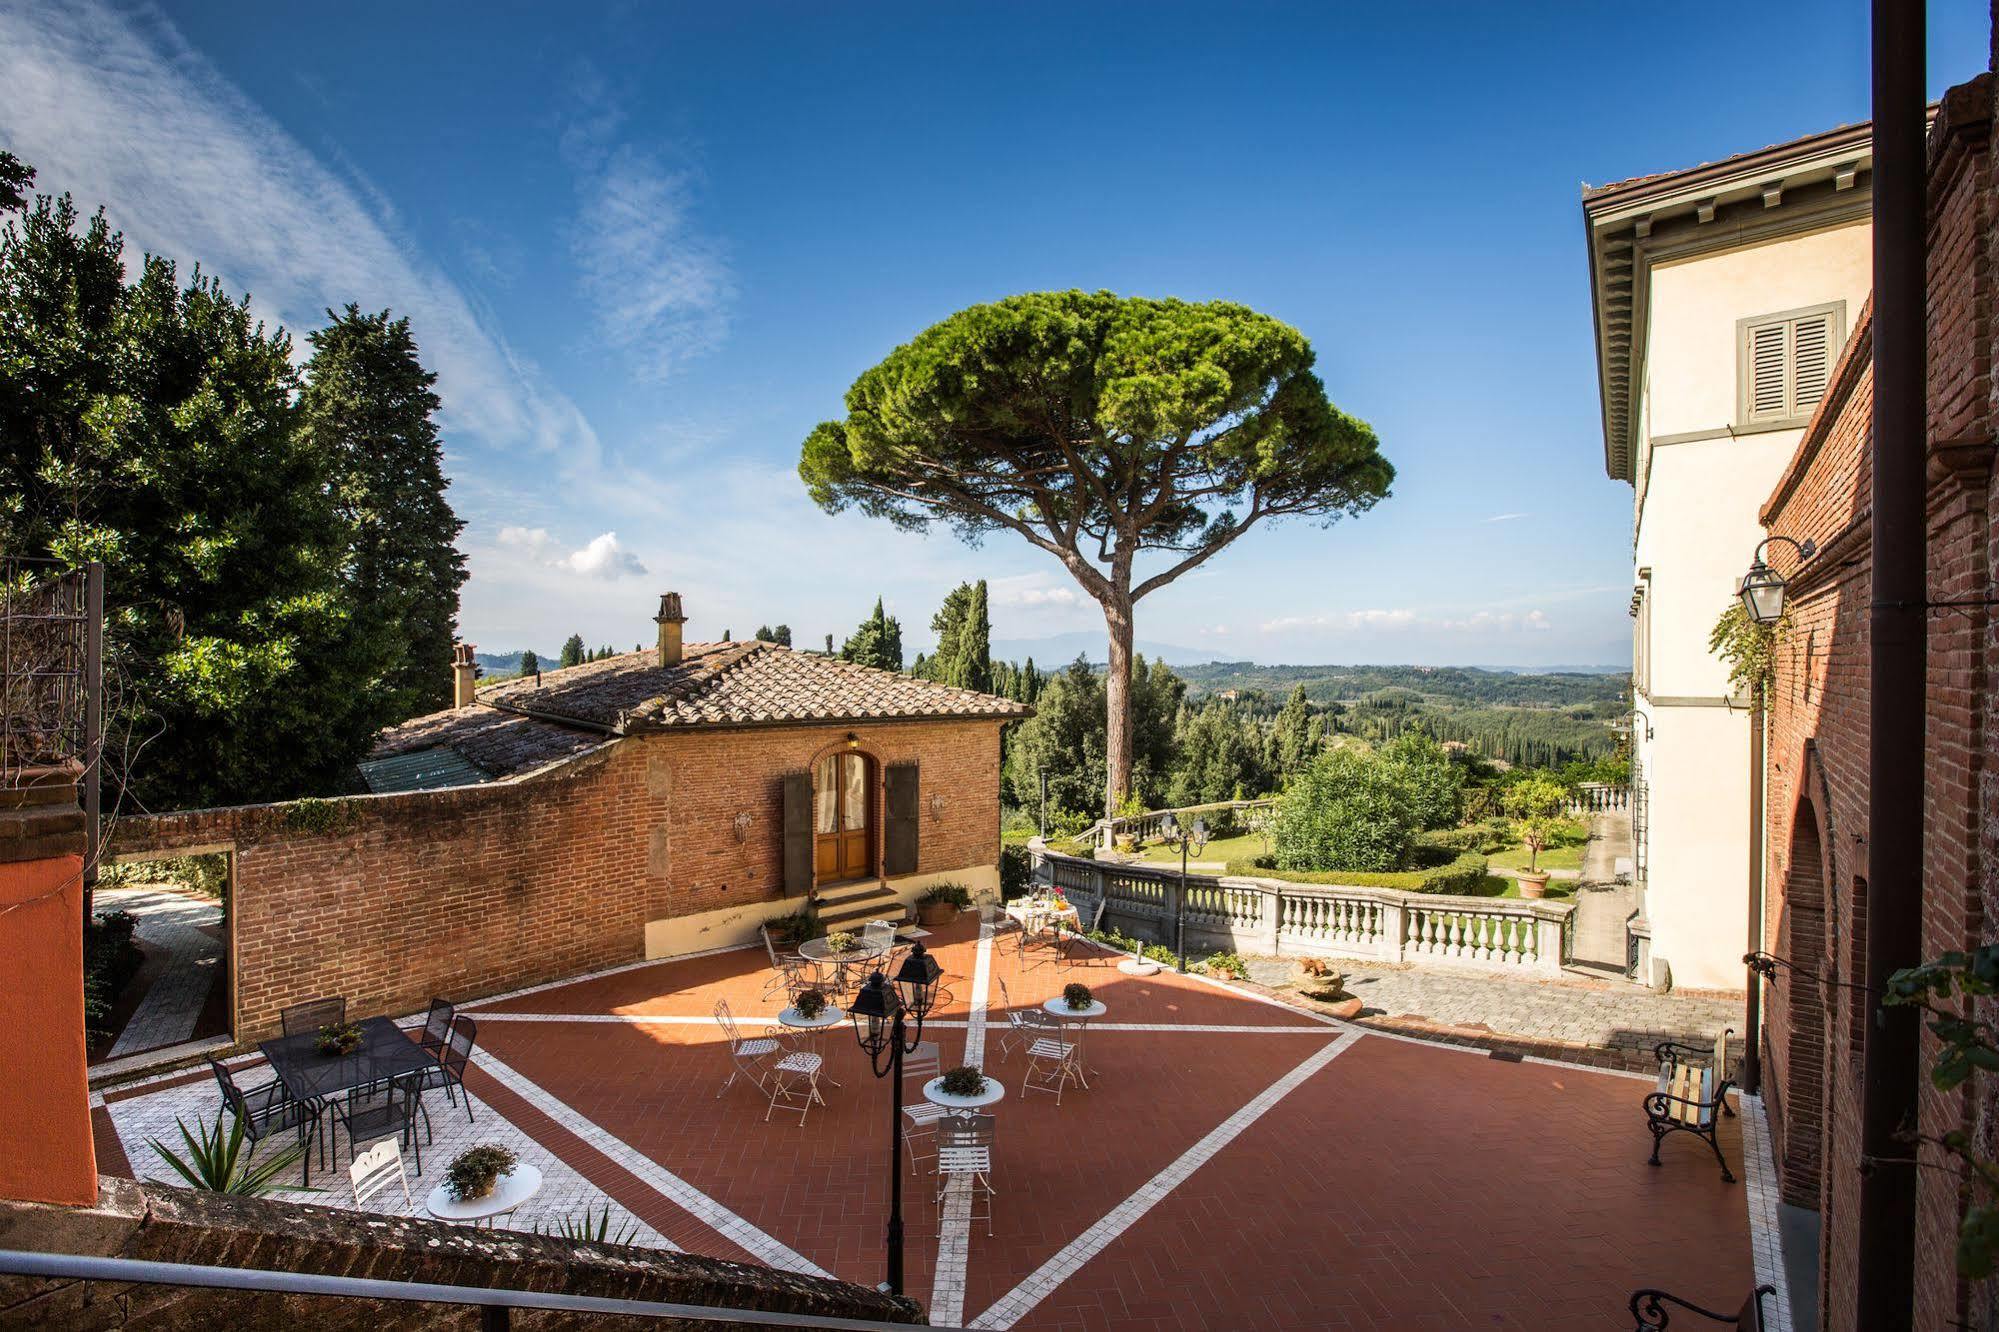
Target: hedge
x,y
1461,875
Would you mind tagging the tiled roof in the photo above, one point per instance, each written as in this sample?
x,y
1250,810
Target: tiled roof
x,y
523,723
1591,192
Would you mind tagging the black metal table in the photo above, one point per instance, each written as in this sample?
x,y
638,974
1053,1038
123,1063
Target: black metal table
x,y
385,1052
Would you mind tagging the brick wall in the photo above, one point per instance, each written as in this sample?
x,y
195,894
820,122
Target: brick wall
x,y
1817,753
392,899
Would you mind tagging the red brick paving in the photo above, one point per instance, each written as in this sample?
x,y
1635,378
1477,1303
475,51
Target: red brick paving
x,y
1403,1186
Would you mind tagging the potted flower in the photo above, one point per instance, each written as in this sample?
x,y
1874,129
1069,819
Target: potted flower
x,y
841,941
1077,996
941,902
337,1038
476,1170
1536,805
810,1004
963,1081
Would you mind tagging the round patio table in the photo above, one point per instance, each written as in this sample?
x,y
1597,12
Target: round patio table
x,y
509,1191
829,1017
1080,1018
842,963
934,1093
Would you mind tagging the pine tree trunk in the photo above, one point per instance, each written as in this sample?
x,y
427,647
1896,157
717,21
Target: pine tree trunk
x,y
1117,701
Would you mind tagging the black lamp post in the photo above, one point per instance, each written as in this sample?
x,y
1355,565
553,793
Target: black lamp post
x,y
879,1011
1762,588
1193,839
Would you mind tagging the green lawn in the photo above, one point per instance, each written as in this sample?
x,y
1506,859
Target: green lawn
x,y
1222,849
1555,857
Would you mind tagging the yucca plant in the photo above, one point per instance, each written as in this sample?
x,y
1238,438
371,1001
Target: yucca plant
x,y
217,1163
594,1227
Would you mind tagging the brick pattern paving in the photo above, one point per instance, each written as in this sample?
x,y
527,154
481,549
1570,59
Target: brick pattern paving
x,y
182,926
1236,1161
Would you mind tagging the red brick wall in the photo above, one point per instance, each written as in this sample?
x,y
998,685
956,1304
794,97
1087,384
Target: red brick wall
x,y
1817,752
392,899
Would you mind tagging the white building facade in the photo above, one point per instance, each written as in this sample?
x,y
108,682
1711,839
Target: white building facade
x,y
1723,296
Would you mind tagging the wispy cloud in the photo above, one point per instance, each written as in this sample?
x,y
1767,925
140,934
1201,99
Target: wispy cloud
x,y
115,106
1507,517
662,290
1031,591
602,557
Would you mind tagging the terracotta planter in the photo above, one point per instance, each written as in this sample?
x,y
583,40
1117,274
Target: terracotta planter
x,y
1125,843
1345,1008
935,913
1533,883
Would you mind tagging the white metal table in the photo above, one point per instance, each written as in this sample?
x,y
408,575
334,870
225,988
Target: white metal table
x,y
933,1092
829,1017
1080,1019
509,1191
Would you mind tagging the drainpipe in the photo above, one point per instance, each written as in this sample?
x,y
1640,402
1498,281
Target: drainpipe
x,y
1897,652
1751,1075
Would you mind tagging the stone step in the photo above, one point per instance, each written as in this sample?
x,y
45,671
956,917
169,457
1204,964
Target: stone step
x,y
849,909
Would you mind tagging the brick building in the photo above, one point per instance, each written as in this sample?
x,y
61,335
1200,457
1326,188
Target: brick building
x,y
1816,754
640,806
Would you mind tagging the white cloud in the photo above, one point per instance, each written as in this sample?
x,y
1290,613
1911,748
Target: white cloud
x,y
662,291
1213,631
1507,517
113,105
602,558
1033,590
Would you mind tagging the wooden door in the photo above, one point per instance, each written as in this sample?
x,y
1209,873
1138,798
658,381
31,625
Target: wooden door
x,y
842,843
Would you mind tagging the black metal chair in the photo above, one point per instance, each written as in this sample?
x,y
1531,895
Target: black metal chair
x,y
306,1018
437,1026
1649,1307
1692,1096
378,1110
268,1110
448,1072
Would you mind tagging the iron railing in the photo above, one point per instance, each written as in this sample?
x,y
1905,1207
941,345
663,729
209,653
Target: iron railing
x,y
47,646
495,1305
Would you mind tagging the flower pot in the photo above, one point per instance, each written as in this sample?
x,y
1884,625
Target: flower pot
x,y
1533,883
1345,1008
486,1192
1125,843
935,913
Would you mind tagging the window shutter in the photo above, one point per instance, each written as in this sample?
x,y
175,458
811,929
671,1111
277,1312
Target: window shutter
x,y
899,849
1812,356
1766,371
797,800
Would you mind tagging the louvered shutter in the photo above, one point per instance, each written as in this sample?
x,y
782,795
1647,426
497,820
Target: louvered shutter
x,y
1811,360
797,801
899,844
1767,365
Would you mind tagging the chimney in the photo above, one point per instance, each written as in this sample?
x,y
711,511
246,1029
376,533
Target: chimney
x,y
669,621
464,676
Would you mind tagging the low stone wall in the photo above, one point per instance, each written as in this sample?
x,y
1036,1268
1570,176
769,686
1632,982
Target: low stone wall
x,y
155,1223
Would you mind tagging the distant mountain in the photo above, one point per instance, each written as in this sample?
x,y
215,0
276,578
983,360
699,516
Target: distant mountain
x,y
494,664
1061,649
1555,670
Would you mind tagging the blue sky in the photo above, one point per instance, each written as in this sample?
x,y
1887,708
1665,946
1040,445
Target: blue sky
x,y
647,247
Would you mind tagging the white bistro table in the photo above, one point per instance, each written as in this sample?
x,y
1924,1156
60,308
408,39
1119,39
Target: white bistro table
x,y
933,1092
509,1191
1080,1019
829,1017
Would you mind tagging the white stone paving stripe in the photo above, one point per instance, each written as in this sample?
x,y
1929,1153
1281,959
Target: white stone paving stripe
x,y
1766,1241
946,1024
954,1225
1040,1283
763,1247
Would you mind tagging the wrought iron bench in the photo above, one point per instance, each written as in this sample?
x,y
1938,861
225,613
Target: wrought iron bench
x,y
1692,1095
1649,1307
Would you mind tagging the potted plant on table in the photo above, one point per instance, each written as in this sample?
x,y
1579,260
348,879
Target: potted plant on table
x,y
1536,804
941,902
810,1004
841,941
1077,997
476,1170
337,1038
962,1081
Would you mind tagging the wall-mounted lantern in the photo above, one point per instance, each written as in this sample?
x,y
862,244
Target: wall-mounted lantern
x,y
1762,588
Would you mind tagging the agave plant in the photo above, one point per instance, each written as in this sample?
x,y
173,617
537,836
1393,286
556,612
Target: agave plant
x,y
217,1163
594,1227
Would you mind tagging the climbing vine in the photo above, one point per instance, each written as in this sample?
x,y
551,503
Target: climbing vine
x,y
1749,648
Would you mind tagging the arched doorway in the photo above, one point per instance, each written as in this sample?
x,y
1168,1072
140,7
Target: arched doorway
x,y
842,817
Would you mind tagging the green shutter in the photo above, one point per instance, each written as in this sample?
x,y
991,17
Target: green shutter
x,y
899,853
797,833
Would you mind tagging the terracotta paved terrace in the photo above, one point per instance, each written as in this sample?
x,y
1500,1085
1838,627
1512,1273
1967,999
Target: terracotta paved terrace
x,y
1235,1163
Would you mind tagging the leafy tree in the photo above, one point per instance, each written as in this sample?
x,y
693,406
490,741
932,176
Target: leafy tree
x,y
781,635
1536,805
573,653
974,667
1065,740
1219,755
1436,785
530,664
1349,811
725,635
367,408
1296,735
948,624
1156,695
1107,431
878,641
16,178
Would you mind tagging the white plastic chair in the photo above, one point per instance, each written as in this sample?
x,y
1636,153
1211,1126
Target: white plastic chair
x,y
965,1151
375,1169
747,1057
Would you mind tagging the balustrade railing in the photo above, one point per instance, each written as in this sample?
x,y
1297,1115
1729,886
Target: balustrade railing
x,y
1276,917
1598,798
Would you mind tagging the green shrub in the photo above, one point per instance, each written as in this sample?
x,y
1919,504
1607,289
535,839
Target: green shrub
x,y
1488,837
1348,811
1016,871
1456,876
473,1173
1227,964
957,894
794,929
1434,784
110,960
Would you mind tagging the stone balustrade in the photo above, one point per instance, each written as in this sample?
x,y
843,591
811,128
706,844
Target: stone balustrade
x,y
1275,917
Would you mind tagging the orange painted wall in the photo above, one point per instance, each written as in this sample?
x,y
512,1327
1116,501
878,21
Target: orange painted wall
x,y
46,1154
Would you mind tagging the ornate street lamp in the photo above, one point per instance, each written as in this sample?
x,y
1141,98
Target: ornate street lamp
x,y
1762,588
1190,839
879,1012
1624,726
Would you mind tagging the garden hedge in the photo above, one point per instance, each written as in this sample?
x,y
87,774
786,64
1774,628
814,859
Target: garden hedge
x,y
1462,875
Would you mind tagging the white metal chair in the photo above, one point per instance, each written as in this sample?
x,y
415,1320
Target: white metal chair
x,y
377,1168
1051,1066
1024,1026
965,1151
793,1082
746,1056
879,934
920,1130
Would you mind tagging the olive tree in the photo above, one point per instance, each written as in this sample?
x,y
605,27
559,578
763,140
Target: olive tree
x,y
1131,439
